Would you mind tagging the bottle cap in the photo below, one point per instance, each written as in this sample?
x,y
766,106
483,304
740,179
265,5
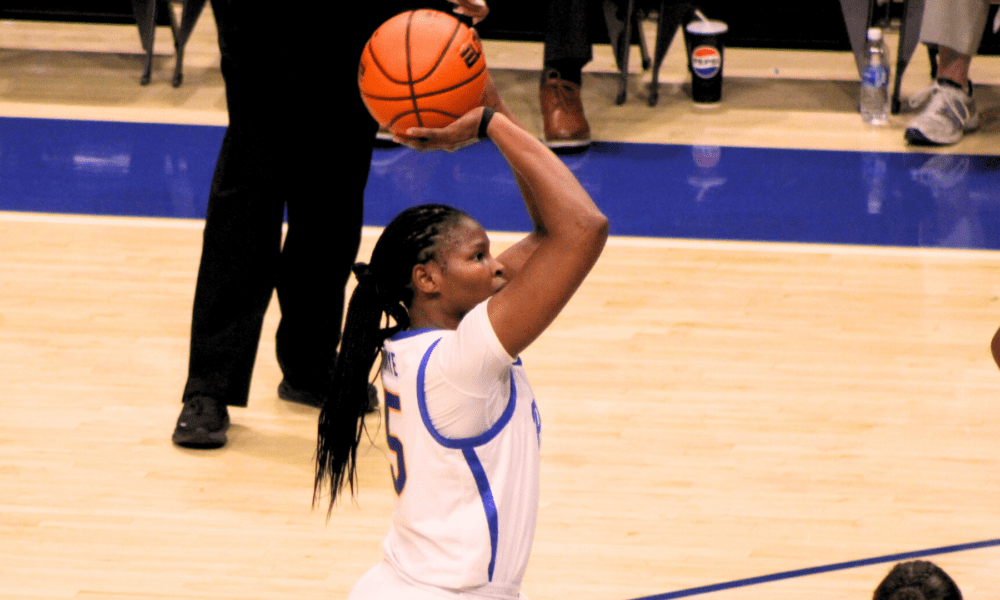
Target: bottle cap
x,y
874,34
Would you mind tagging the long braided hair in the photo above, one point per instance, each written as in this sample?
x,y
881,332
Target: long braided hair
x,y
384,288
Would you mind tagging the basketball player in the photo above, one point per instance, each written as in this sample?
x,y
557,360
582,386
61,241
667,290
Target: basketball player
x,y
461,418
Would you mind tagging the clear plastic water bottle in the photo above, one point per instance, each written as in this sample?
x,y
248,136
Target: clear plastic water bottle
x,y
874,102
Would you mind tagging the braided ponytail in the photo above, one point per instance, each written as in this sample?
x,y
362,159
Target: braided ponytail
x,y
383,289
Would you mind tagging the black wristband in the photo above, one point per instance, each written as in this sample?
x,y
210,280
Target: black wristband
x,y
484,121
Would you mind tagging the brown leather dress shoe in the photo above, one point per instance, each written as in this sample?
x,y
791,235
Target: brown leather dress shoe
x,y
562,111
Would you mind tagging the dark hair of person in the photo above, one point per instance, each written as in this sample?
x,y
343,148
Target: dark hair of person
x,y
917,580
384,289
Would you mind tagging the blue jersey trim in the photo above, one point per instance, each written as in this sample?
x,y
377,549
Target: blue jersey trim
x,y
489,504
460,443
408,333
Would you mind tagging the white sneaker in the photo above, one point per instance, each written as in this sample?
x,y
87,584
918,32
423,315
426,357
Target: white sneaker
x,y
949,113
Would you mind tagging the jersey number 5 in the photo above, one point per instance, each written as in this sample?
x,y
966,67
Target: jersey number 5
x,y
395,445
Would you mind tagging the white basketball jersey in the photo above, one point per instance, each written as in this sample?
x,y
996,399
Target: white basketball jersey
x,y
466,507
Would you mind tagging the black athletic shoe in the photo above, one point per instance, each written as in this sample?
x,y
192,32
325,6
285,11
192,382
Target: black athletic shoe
x,y
299,396
202,424
292,394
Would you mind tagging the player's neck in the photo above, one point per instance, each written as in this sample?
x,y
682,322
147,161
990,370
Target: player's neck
x,y
429,315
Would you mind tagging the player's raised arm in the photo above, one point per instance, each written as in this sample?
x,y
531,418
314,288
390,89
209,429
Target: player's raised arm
x,y
545,270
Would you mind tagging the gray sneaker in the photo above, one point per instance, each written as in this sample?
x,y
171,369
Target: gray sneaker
x,y
947,115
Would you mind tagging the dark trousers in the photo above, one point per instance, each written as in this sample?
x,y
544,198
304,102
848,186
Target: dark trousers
x,y
566,32
299,139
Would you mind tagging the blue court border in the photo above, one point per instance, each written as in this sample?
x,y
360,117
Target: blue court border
x,y
883,199
903,556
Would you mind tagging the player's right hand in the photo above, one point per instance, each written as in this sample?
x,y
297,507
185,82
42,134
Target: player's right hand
x,y
463,132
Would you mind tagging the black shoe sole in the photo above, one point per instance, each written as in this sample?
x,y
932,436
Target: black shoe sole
x,y
201,438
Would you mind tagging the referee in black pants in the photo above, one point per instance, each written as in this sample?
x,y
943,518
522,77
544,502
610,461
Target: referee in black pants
x,y
299,139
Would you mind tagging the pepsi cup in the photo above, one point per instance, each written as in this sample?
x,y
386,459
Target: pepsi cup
x,y
705,49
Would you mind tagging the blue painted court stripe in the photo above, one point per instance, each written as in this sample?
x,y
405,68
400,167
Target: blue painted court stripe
x,y
904,556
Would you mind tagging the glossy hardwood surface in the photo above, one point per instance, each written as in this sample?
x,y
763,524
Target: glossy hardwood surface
x,y
712,411
747,409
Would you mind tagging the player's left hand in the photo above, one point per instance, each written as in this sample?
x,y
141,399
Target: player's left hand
x,y
462,132
476,9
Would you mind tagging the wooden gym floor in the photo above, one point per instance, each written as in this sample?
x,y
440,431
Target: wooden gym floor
x,y
721,419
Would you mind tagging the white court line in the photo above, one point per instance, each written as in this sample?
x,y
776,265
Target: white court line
x,y
64,219
956,254
115,114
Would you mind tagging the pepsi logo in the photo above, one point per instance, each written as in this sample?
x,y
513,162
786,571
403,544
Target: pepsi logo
x,y
706,61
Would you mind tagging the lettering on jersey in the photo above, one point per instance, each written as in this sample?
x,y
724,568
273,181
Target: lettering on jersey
x,y
390,361
398,472
470,54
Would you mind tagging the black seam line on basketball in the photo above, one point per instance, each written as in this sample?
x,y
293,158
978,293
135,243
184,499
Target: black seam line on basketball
x,y
429,94
371,53
385,72
853,564
454,32
409,68
410,112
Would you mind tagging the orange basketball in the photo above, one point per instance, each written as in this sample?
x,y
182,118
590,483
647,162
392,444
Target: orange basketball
x,y
421,68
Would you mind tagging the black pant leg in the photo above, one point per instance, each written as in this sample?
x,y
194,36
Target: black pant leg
x,y
242,239
566,32
324,233
331,138
295,140
236,276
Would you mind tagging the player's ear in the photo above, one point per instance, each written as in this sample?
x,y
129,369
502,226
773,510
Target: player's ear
x,y
427,277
